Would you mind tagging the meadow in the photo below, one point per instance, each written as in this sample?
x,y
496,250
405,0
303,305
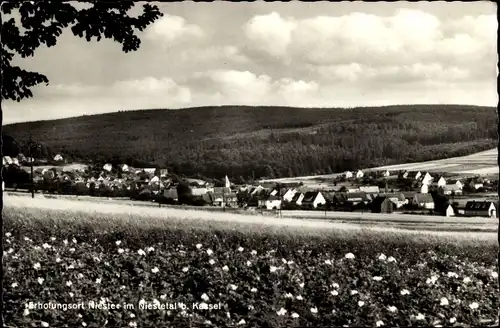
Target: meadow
x,y
264,272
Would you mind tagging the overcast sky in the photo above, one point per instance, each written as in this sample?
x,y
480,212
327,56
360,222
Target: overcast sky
x,y
294,54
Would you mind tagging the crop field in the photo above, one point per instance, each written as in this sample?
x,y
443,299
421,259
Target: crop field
x,y
145,267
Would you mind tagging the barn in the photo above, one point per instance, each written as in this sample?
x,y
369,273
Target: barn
x,y
483,209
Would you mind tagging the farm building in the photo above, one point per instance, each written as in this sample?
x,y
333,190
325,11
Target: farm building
x,y
458,183
424,189
313,199
58,158
452,189
424,201
427,179
450,211
348,175
288,196
386,174
476,185
370,189
297,198
441,182
360,197
107,167
359,174
223,196
382,204
398,199
484,209
270,202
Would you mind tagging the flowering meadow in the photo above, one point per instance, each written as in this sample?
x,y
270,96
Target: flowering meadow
x,y
233,277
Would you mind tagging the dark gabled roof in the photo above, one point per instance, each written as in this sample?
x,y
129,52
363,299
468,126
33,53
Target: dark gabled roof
x,y
296,196
424,198
478,205
310,196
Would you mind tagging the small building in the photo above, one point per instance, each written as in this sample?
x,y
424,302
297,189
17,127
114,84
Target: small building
x,y
353,190
313,199
458,183
197,191
418,175
224,197
386,174
348,175
297,198
424,201
424,189
476,185
441,182
405,175
107,167
450,211
359,174
288,196
427,179
452,189
382,204
357,198
271,202
370,189
483,209
124,168
398,199
58,158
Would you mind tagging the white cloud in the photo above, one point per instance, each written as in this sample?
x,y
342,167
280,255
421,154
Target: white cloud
x,y
213,54
172,28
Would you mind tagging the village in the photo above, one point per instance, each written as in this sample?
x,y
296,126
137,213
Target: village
x,y
403,192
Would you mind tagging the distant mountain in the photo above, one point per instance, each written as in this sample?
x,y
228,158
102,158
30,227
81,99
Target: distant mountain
x,y
258,142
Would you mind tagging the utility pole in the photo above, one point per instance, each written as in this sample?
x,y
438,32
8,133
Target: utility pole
x,y
30,145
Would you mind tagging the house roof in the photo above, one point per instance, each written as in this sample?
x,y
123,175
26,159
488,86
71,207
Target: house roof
x,y
478,205
399,196
310,196
452,187
424,198
296,196
354,195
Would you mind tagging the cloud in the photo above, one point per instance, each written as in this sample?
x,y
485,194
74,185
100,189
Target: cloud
x,y
172,28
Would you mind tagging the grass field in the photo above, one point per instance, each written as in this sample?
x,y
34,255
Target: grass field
x,y
264,271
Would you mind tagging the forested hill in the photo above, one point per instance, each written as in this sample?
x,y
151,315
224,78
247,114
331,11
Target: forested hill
x,y
243,141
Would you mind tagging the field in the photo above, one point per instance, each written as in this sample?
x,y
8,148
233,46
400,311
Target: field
x,y
261,271
483,163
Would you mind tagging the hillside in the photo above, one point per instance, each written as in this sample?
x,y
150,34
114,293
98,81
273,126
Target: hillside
x,y
269,142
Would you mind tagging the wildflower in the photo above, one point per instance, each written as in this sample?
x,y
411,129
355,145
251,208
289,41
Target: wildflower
x,y
122,287
377,278
71,266
405,292
120,250
98,281
328,262
432,280
354,292
84,324
45,246
132,324
334,292
58,260
211,261
453,320
283,260
301,285
163,296
452,275
118,242
467,280
349,256
392,308
69,283
209,252
71,249
251,307
334,285
420,316
242,322
473,305
37,266
233,287
240,249
26,312
494,274
273,268
44,324
74,241
185,269
382,257
314,310
155,270
41,280
208,322
282,311
10,250
361,303
71,294
253,290
52,238
225,268
295,315
65,241
204,297
249,263
253,252
198,246
150,249
27,239
132,315
391,259
444,301
379,323
36,247
80,276
8,234
299,297
141,252
288,295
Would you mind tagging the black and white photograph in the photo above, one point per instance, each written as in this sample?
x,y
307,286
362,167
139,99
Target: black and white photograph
x,y
249,164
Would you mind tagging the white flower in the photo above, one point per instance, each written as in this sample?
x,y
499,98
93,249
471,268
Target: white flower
x,y
37,266
334,292
58,260
253,252
52,238
295,315
132,324
84,324
225,268
121,250
71,266
141,252
98,281
150,249
41,280
253,290
452,275
391,259
155,270
163,296
242,322
71,294
8,234
233,287
71,249
14,285
392,308
281,312
209,252
467,280
185,269
432,280
10,250
405,292
473,305
288,295
299,297
420,316
349,256
65,241
283,260
26,312
453,320
36,247
301,285
334,285
45,246
69,283
132,315
198,246
354,292
240,249
74,241
44,324
379,323
494,274
27,239
208,322
79,315
273,268
211,261
382,257
205,297
377,278
361,303
444,301
251,307
249,263
328,262
122,287
314,310
118,242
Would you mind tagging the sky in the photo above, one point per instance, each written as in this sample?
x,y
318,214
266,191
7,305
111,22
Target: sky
x,y
323,54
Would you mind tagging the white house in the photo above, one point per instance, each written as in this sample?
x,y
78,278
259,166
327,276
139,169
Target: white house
x,y
107,167
359,174
459,184
452,189
227,183
257,190
313,199
450,211
288,196
424,201
387,173
398,199
441,182
270,203
58,158
370,189
297,198
424,189
427,179
477,185
348,174
418,175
